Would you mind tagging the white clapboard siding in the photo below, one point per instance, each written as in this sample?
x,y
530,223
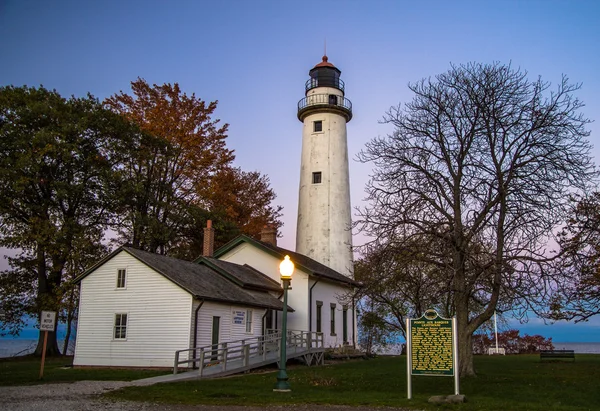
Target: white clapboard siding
x,y
159,316
267,264
331,293
228,330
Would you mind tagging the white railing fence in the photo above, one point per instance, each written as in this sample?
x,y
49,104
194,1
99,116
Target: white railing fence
x,y
239,353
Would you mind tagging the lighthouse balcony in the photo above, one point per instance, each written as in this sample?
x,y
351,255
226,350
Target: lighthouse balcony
x,y
324,103
324,81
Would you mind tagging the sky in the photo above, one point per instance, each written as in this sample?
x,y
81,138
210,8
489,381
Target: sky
x,y
254,57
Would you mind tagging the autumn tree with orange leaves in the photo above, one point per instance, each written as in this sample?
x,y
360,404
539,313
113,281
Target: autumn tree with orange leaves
x,y
181,173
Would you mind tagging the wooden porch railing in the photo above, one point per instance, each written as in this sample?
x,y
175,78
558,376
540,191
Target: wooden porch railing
x,y
240,353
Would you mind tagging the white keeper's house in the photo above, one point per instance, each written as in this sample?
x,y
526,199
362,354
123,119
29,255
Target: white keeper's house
x,y
138,308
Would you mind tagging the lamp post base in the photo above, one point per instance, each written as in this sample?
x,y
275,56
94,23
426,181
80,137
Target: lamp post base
x,y
282,382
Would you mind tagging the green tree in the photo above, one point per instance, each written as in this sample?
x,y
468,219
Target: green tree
x,y
482,160
58,191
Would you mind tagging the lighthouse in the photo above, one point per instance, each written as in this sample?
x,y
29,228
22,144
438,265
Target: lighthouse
x,y
324,212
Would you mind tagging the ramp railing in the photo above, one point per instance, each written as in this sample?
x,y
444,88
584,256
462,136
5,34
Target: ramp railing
x,y
241,353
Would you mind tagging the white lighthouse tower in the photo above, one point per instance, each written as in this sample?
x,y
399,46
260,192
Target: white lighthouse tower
x,y
324,212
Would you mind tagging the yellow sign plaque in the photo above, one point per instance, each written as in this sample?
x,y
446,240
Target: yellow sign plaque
x,y
432,345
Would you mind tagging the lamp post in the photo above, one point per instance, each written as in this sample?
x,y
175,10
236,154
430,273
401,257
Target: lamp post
x,y
286,268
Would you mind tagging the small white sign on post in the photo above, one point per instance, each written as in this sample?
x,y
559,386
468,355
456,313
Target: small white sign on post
x,y
48,321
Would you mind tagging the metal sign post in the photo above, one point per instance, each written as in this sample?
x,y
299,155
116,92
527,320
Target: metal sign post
x,y
408,359
47,323
431,348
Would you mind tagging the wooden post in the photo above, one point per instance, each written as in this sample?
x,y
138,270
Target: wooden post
x,y
176,362
43,354
201,362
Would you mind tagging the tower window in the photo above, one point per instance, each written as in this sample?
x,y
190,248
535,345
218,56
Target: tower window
x,y
317,177
333,100
317,126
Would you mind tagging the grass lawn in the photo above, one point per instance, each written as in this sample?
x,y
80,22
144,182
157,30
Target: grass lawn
x,y
26,371
510,383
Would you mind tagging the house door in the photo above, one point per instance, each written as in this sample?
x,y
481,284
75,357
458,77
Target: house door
x,y
215,337
268,322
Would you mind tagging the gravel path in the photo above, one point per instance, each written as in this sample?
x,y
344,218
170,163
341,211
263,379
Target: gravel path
x,y
85,395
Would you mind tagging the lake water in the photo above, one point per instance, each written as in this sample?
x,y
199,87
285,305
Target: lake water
x,y
578,347
10,347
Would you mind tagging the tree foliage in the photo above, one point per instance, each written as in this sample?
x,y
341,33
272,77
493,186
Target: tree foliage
x,y
481,163
578,296
153,167
58,190
512,342
179,148
400,283
181,174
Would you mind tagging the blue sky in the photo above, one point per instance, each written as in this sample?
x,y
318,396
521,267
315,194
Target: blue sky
x,y
254,57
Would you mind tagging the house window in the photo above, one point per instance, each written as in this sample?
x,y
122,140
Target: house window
x,y
121,277
317,126
332,315
120,326
316,177
319,312
249,321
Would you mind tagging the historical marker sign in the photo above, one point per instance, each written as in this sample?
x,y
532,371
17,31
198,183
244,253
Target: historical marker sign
x,y
432,347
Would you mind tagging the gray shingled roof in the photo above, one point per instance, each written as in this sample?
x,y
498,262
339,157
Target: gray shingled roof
x,y
313,267
199,280
243,275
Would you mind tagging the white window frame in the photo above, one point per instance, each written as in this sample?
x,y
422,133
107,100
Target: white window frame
x,y
122,327
121,280
249,329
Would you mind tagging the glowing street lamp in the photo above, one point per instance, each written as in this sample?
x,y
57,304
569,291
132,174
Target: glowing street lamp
x,y
286,269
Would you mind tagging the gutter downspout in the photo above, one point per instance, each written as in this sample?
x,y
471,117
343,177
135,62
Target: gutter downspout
x,y
196,333
264,326
310,305
353,323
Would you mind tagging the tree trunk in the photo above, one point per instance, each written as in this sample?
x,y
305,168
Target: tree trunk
x,y
51,346
44,298
465,352
72,306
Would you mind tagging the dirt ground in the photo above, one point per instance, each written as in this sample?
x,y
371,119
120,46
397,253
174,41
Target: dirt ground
x,y
86,395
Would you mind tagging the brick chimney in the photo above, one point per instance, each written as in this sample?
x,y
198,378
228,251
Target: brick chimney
x,y
209,240
269,234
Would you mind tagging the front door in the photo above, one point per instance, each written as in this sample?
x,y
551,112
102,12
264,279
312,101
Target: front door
x,y
215,337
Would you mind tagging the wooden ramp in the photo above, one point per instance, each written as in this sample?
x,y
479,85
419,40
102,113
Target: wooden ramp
x,y
238,356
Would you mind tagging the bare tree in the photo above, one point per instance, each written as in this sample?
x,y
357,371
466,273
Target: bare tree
x,y
400,283
482,160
